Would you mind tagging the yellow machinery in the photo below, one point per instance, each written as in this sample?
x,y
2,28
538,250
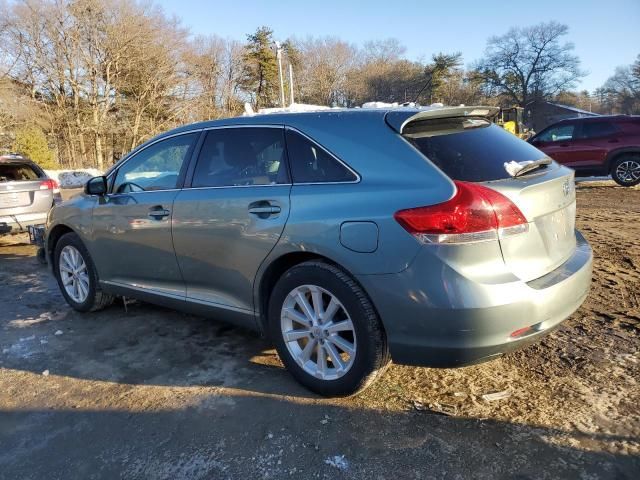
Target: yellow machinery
x,y
511,119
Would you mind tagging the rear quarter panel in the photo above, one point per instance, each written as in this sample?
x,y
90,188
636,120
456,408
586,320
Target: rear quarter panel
x,y
393,176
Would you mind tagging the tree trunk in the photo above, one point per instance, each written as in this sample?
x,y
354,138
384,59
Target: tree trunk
x,y
99,154
136,129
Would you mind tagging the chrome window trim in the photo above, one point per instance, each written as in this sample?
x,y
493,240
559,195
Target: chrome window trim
x,y
248,125
238,186
144,191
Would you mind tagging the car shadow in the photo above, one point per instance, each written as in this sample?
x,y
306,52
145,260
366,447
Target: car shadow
x,y
231,435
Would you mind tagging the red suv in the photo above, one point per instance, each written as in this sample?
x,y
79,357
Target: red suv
x,y
600,145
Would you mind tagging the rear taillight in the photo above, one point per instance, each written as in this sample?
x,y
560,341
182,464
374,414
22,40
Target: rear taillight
x,y
50,184
474,214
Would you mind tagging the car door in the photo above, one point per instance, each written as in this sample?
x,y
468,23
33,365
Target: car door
x,y
557,142
132,244
592,142
231,214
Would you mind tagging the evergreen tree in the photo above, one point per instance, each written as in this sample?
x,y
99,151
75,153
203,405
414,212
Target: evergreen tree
x,y
32,143
260,75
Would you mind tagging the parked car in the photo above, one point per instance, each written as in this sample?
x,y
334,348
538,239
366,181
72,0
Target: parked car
x,y
26,194
349,237
603,145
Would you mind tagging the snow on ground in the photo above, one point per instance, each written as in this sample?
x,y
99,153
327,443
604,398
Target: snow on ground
x,y
72,178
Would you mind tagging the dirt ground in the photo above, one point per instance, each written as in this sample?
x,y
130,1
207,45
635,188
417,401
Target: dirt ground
x,y
146,392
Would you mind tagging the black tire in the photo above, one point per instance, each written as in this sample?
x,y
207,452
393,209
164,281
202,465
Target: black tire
x,y
630,159
96,298
372,354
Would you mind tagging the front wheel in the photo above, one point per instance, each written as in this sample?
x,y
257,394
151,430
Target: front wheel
x,y
326,330
77,276
626,170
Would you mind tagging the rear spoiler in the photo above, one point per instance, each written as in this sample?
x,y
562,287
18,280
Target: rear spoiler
x,y
399,119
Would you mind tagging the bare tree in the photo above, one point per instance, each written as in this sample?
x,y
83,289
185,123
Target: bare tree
x,y
622,89
530,62
324,71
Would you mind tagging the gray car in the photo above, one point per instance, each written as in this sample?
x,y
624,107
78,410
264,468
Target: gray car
x,y
26,194
349,237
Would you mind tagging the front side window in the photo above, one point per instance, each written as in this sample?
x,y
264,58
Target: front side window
x,y
311,164
157,167
241,157
560,133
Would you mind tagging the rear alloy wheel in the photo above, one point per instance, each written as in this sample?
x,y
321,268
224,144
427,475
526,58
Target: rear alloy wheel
x,y
318,332
626,170
326,330
77,276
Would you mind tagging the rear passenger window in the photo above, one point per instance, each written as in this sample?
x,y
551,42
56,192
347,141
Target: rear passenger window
x,y
311,164
597,129
241,156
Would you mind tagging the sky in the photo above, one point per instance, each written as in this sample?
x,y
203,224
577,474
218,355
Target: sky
x,y
606,34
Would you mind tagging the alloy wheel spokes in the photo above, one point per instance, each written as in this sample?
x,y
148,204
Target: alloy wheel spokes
x,y
318,332
74,274
629,171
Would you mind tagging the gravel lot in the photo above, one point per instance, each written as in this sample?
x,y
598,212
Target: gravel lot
x,y
145,392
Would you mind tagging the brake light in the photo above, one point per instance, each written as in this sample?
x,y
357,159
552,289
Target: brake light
x,y
475,213
50,184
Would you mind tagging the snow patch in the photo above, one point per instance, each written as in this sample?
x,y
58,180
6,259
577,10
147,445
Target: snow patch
x,y
293,108
73,178
337,461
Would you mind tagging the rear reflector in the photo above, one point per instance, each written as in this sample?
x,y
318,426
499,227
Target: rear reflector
x,y
474,214
50,184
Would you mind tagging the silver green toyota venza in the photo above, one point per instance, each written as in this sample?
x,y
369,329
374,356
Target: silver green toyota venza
x,y
350,237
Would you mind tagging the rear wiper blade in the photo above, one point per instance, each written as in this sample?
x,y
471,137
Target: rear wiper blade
x,y
515,169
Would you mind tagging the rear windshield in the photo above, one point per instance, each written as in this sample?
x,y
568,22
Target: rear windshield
x,y
16,172
469,149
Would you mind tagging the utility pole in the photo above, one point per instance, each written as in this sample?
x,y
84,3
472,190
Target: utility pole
x,y
279,57
291,83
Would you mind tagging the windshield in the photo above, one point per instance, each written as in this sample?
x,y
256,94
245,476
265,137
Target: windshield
x,y
469,149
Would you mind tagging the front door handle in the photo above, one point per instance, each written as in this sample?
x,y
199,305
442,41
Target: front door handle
x,y
158,212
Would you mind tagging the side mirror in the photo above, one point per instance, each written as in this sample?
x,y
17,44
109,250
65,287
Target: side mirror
x,y
96,186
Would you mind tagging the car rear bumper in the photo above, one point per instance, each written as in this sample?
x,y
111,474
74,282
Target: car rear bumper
x,y
20,222
469,322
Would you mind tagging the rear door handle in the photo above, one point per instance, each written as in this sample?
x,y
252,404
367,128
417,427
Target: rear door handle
x,y
264,209
158,212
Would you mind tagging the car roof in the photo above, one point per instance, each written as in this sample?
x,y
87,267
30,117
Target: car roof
x,y
396,116
600,118
14,158
290,118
